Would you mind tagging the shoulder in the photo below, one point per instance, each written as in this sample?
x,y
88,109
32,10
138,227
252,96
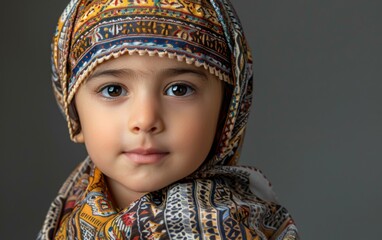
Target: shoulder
x,y
73,185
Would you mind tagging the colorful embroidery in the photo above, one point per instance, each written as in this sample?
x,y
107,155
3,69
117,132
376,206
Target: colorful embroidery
x,y
221,200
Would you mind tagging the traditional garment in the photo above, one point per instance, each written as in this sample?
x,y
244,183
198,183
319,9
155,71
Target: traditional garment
x,y
220,200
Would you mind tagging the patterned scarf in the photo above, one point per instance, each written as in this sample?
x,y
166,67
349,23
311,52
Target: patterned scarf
x,y
220,200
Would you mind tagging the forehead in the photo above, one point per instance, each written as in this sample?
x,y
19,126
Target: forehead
x,y
145,65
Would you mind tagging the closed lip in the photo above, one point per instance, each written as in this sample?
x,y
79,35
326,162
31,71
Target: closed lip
x,y
146,151
146,155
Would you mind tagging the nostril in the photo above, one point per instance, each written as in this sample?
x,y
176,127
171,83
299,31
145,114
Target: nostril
x,y
139,129
146,124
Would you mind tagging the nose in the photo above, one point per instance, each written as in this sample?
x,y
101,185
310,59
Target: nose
x,y
145,116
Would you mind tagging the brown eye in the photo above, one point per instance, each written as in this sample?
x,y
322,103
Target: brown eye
x,y
113,91
179,90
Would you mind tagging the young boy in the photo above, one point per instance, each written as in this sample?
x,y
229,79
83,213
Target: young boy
x,y
159,93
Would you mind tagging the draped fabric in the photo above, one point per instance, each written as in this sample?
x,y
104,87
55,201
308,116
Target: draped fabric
x,y
221,200
222,207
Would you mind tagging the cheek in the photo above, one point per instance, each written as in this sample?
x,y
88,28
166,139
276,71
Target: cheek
x,y
196,128
100,132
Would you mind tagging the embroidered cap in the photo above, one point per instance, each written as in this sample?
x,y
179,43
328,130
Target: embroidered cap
x,y
201,32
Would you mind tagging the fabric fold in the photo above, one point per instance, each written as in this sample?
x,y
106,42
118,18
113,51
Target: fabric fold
x,y
221,200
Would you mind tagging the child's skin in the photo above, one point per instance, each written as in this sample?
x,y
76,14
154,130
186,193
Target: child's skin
x,y
147,121
150,122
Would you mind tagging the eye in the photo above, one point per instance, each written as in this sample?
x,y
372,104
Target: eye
x,y
113,91
179,90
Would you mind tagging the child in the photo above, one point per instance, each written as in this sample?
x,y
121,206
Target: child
x,y
159,92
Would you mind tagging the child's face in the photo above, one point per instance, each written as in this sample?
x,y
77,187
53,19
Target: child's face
x,y
147,121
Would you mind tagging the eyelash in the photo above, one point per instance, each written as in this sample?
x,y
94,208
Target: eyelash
x,y
104,91
189,89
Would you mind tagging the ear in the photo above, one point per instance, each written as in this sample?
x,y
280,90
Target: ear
x,y
79,138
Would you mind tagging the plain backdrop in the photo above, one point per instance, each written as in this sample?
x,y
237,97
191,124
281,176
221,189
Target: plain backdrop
x,y
315,128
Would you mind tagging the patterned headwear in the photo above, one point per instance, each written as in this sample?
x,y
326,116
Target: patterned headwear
x,y
221,201
197,32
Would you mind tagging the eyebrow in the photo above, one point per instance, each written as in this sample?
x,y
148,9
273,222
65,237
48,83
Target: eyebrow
x,y
179,71
168,72
112,72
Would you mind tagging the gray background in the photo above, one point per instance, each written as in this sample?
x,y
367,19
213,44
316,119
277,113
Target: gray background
x,y
315,129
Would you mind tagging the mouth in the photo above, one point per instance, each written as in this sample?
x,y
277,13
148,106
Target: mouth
x,y
145,155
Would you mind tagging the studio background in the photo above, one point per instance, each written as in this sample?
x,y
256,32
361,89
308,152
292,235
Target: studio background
x,y
315,128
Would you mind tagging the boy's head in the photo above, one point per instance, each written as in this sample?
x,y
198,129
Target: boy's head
x,y
194,40
147,121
